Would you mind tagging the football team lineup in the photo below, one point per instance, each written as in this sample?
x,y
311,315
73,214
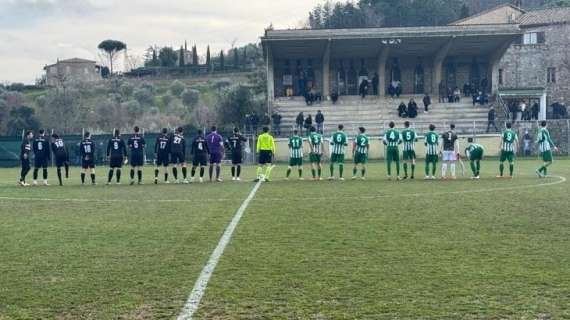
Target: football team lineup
x,y
210,149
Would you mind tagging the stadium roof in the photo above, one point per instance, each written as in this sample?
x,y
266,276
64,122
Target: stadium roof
x,y
545,17
368,42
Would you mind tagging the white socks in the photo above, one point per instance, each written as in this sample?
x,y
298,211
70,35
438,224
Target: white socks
x,y
443,169
453,169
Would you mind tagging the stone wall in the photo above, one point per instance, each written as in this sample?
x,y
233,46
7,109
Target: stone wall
x,y
526,65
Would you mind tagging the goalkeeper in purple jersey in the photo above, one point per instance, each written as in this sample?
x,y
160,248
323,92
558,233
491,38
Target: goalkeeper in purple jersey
x,y
216,147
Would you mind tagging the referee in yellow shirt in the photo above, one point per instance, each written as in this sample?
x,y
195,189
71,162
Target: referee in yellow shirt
x,y
265,150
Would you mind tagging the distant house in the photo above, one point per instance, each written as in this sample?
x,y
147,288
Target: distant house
x,y
72,70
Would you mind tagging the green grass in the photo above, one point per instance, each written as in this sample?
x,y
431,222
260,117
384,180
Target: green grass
x,y
375,249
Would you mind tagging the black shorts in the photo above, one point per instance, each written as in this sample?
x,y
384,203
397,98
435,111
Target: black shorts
x,y
177,158
265,157
41,163
116,162
61,161
137,160
25,164
237,158
200,160
162,160
88,163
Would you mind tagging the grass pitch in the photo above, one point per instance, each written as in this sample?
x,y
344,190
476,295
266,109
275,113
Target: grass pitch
x,y
374,249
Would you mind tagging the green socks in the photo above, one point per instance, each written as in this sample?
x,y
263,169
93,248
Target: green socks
x,y
501,169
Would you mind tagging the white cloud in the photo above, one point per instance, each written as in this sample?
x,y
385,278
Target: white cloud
x,y
38,32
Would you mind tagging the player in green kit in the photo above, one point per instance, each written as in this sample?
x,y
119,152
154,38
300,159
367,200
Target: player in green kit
x,y
474,152
315,142
392,140
432,151
509,144
409,139
360,149
545,147
338,144
295,154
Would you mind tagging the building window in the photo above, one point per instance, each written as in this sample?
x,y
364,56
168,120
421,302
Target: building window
x,y
533,38
551,75
501,77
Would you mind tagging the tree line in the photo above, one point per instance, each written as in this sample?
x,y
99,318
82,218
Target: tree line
x,y
407,13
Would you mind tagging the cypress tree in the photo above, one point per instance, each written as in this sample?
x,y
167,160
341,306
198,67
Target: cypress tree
x,y
181,62
222,62
208,59
194,55
236,59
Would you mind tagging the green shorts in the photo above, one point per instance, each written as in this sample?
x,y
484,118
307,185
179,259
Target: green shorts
x,y
432,158
315,158
474,156
409,155
293,162
392,154
360,158
547,156
507,156
337,158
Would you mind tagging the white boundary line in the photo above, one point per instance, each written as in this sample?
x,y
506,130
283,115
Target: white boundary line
x,y
199,289
376,196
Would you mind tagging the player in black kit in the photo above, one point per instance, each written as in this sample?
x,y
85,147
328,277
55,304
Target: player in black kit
x,y
235,144
61,157
25,150
87,152
178,154
117,155
161,153
199,155
136,145
42,155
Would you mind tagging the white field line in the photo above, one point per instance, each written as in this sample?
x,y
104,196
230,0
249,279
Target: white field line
x,y
202,282
374,196
426,194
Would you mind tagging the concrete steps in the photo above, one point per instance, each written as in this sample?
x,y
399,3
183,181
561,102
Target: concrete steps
x,y
375,113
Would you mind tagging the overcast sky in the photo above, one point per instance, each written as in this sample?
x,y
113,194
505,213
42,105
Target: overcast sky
x,y
34,33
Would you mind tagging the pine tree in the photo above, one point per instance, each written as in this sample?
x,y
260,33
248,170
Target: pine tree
x,y
222,62
181,62
464,11
244,58
208,60
194,55
236,59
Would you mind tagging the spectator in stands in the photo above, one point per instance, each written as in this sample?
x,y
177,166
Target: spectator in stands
x,y
363,88
526,114
427,102
520,110
254,122
299,122
467,89
442,92
491,120
513,110
559,111
334,97
309,98
450,97
412,109
315,95
527,143
289,92
398,88
475,97
456,95
534,111
375,83
320,120
484,85
402,112
308,124
276,117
